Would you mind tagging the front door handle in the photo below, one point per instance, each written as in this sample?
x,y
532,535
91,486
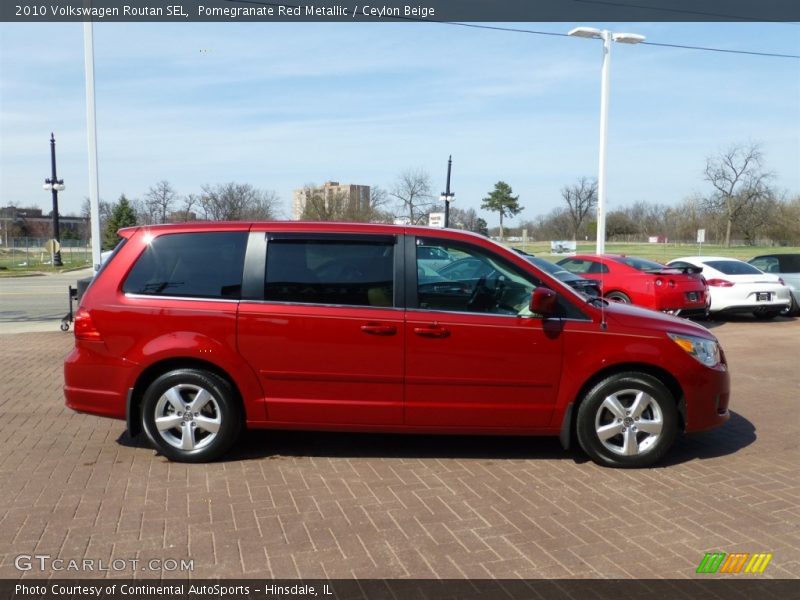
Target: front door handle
x,y
434,331
378,329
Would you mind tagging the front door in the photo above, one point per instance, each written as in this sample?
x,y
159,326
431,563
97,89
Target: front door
x,y
475,356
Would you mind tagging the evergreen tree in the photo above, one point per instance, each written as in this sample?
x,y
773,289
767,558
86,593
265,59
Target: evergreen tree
x,y
501,200
122,215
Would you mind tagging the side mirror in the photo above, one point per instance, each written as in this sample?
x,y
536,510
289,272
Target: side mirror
x,y
543,302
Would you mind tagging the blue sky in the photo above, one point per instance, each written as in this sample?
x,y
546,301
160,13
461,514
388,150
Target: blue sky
x,y
282,105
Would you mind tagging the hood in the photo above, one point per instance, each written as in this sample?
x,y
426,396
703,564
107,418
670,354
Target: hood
x,y
628,315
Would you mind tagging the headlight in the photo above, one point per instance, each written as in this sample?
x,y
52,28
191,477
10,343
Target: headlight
x,y
701,349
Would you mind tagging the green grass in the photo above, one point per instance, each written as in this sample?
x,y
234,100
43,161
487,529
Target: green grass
x,y
16,261
661,252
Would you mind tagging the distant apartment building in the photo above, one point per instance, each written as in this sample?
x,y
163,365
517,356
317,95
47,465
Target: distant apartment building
x,y
356,196
32,222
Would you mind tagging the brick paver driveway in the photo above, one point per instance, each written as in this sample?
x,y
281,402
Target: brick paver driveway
x,y
288,505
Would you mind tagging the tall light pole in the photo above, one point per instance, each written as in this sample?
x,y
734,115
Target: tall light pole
x,y
55,185
607,37
91,130
447,196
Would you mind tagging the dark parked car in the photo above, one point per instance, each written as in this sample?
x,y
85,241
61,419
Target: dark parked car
x,y
192,332
787,267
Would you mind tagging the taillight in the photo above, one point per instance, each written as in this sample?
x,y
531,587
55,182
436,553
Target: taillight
x,y
84,327
659,282
720,283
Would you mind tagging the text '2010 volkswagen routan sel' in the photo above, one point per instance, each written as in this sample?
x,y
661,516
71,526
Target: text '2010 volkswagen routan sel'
x,y
193,332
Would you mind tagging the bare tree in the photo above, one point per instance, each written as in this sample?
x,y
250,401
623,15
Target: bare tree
x,y
757,217
237,202
739,181
158,201
469,220
379,205
412,190
785,227
323,206
103,209
190,201
555,225
581,198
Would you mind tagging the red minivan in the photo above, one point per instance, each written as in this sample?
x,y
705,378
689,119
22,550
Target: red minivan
x,y
192,332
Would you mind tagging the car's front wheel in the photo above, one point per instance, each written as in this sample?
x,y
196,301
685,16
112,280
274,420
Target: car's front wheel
x,y
627,420
191,415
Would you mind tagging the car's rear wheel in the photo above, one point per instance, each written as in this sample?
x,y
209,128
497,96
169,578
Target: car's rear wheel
x,y
191,415
618,297
765,313
793,310
627,420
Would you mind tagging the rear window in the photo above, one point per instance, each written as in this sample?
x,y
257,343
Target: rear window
x,y
202,265
733,267
640,264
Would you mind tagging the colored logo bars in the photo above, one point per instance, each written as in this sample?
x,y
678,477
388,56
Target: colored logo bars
x,y
716,562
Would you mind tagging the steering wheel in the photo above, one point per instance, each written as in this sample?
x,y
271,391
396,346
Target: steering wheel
x,y
480,288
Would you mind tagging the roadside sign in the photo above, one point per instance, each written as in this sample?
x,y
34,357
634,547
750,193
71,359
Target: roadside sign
x,y
436,220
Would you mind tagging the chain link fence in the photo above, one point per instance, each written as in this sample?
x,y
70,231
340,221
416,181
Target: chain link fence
x,y
25,253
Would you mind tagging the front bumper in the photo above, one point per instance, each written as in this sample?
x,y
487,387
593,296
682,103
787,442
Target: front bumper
x,y
706,399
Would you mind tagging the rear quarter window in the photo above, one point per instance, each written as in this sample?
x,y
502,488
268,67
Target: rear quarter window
x,y
197,265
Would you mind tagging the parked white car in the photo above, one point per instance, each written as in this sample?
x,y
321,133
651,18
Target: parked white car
x,y
737,287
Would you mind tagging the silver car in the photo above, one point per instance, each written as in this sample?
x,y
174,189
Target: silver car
x,y
787,267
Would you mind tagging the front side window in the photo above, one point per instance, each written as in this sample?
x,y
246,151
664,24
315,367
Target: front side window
x,y
340,272
768,264
473,281
197,265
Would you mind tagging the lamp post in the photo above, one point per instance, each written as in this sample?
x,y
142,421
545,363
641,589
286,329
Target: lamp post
x,y
607,37
55,185
447,196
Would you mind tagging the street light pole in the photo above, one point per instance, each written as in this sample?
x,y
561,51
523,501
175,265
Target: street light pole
x,y
447,196
55,185
605,85
605,82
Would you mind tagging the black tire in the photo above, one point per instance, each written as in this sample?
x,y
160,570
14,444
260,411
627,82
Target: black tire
x,y
618,297
764,314
793,310
197,436
609,407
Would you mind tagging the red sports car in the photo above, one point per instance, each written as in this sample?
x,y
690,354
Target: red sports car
x,y
681,291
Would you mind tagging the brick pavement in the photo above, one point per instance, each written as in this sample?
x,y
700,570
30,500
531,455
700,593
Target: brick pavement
x,y
288,505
